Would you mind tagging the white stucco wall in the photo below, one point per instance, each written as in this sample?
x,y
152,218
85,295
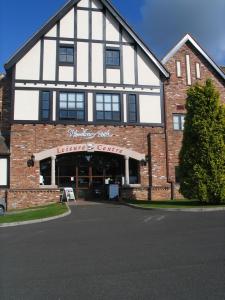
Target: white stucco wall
x,y
90,107
82,24
82,62
29,66
113,75
112,28
97,62
49,64
66,73
83,3
26,105
147,72
67,25
97,25
128,65
52,32
150,109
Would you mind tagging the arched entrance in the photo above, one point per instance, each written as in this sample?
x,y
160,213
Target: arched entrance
x,y
86,167
88,173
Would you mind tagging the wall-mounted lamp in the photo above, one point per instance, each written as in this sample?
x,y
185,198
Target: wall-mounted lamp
x,y
145,160
30,162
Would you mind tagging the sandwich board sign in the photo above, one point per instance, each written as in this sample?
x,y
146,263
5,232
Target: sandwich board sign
x,y
68,195
113,191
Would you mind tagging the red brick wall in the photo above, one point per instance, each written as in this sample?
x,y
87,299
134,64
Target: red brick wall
x,y
29,139
18,199
5,105
175,95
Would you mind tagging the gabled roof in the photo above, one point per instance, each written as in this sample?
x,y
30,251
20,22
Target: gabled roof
x,y
61,13
223,69
188,38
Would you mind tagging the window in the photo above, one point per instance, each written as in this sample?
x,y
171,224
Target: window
x,y
113,58
66,54
4,171
45,106
108,107
178,122
132,108
71,106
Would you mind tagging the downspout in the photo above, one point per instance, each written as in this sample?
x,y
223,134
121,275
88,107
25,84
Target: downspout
x,y
167,145
150,166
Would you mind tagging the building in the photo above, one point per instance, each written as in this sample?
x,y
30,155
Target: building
x,y
187,64
90,102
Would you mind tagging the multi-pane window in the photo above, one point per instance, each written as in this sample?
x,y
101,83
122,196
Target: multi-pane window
x,y
178,121
132,108
66,54
45,106
112,58
71,106
108,107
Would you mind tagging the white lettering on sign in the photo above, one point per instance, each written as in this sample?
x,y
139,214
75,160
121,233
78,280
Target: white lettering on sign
x,y
87,134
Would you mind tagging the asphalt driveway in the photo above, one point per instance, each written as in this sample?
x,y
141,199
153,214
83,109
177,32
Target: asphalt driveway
x,y
115,252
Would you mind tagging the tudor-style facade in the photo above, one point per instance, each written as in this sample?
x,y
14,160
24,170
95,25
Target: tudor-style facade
x,y
86,72
89,101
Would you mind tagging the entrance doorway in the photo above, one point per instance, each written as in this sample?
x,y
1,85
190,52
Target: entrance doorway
x,y
87,173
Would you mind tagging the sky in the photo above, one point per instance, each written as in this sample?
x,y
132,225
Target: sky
x,y
160,23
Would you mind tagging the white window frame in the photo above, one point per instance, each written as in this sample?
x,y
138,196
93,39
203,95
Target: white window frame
x,y
180,123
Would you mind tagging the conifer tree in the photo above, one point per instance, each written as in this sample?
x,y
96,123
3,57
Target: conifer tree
x,y
202,156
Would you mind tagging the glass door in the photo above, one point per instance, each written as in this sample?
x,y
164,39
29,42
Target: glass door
x,y
83,176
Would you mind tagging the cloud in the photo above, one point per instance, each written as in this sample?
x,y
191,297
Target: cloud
x,y
164,22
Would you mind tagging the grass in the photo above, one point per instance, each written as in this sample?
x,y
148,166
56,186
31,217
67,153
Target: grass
x,y
34,213
173,204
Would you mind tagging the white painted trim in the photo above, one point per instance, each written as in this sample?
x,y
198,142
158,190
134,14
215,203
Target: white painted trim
x,y
198,70
186,38
54,106
178,66
188,69
155,90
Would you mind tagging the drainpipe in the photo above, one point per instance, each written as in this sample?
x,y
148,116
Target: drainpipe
x,y
167,145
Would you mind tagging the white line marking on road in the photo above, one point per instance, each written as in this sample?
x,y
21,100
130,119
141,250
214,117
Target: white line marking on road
x,y
160,218
147,219
156,218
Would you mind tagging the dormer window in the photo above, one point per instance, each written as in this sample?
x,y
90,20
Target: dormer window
x,y
112,58
66,54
